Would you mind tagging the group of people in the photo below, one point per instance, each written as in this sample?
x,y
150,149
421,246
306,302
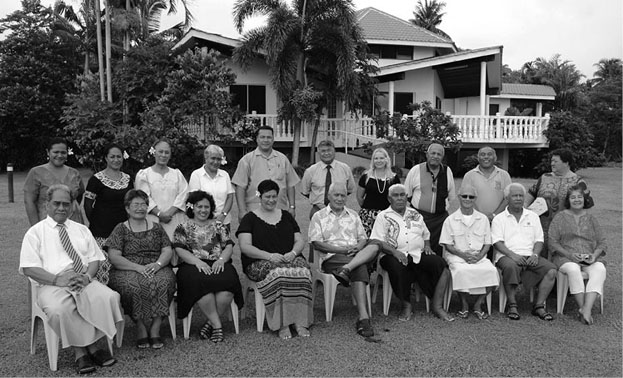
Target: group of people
x,y
141,230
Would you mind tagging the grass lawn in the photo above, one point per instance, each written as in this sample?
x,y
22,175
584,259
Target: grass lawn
x,y
425,346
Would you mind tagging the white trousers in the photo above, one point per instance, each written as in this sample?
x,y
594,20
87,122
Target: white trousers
x,y
596,277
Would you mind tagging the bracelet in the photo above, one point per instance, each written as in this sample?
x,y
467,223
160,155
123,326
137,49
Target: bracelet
x,y
292,207
224,213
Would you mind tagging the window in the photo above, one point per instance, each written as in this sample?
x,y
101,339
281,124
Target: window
x,y
250,98
391,52
437,103
402,100
494,109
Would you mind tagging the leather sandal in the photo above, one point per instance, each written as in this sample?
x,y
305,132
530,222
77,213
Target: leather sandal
x,y
84,365
512,313
142,343
543,315
206,331
156,342
462,314
217,335
103,358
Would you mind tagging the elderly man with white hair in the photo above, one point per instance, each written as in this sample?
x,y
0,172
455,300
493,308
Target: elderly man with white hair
x,y
466,238
212,179
402,235
337,232
62,257
518,240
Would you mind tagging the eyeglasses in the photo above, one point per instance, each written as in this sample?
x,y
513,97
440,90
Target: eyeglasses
x,y
136,205
467,196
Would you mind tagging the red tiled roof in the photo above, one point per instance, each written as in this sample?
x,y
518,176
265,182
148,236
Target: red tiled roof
x,y
527,90
379,25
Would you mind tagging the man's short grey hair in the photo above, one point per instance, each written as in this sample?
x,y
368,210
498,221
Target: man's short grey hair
x,y
395,187
443,150
215,149
57,187
507,190
338,185
468,187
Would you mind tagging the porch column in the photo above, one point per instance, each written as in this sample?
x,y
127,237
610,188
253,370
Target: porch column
x,y
539,109
505,158
391,98
483,87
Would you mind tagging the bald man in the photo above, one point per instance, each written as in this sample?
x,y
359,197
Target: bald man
x,y
430,187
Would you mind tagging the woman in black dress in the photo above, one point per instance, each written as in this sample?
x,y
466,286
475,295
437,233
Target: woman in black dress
x,y
103,202
373,188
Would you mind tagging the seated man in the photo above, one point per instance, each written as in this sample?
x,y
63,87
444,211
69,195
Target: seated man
x,y
402,235
466,238
63,257
337,232
518,239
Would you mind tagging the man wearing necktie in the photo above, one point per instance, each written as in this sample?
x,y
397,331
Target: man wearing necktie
x,y
318,177
62,257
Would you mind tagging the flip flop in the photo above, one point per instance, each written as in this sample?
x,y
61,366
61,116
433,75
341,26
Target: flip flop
x,y
142,343
481,315
156,342
84,365
462,314
405,317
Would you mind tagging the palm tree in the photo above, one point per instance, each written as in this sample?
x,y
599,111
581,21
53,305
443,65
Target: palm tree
x,y
307,36
562,75
428,15
607,69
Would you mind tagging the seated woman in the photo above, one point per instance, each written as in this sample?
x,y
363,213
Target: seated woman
x,y
271,245
466,238
140,251
206,275
578,245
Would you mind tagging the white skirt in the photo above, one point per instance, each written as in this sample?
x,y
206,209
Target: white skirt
x,y
472,278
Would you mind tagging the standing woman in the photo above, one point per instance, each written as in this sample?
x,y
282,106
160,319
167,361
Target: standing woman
x,y
41,177
166,187
206,275
271,245
211,179
374,186
140,252
553,187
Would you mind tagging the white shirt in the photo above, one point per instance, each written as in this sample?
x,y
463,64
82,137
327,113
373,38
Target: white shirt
x,y
219,187
42,247
465,233
405,233
519,237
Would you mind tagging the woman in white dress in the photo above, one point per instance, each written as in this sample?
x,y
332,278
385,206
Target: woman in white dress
x,y
166,187
466,238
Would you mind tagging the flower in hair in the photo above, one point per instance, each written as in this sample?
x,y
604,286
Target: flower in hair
x,y
189,205
257,193
126,155
152,150
224,161
70,151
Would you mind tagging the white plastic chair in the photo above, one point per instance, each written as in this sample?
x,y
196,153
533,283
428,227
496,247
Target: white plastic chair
x,y
563,288
388,291
51,338
260,310
502,293
329,284
448,297
188,319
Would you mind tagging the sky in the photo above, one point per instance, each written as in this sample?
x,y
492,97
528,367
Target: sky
x,y
581,31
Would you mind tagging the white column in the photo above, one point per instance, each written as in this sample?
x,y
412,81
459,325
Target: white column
x,y
483,87
539,109
391,98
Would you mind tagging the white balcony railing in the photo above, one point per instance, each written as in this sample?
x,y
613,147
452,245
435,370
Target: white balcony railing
x,y
350,132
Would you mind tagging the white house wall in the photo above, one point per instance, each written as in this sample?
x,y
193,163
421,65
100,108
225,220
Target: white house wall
x,y
504,103
423,52
257,74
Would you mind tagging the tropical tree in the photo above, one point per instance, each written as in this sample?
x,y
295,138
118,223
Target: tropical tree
x,y
562,75
37,69
607,69
428,15
306,36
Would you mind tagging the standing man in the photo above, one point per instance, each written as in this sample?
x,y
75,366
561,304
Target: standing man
x,y
430,186
337,233
318,177
518,239
489,182
61,257
401,234
261,164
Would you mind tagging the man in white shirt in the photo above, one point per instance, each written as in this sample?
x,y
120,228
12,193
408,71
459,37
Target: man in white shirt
x,y
62,257
517,236
402,235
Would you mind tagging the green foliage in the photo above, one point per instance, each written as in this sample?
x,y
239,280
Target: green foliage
x,y
566,130
413,135
303,104
37,68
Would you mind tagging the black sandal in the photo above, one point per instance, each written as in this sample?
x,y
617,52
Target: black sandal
x,y
543,315
512,315
206,331
217,335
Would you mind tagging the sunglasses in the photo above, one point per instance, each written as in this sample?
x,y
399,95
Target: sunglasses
x,y
467,196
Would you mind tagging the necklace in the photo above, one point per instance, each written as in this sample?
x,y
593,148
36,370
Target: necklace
x,y
130,225
376,179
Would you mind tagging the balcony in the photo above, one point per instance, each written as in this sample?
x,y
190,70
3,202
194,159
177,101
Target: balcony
x,y
348,133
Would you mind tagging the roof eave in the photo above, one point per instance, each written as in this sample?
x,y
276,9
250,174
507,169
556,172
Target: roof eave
x,y
525,97
410,43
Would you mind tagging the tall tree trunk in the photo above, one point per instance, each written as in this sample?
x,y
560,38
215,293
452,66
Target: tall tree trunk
x,y
312,157
108,52
100,58
300,77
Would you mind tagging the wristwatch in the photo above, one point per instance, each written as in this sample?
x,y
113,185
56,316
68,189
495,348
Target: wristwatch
x,y
292,207
224,213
